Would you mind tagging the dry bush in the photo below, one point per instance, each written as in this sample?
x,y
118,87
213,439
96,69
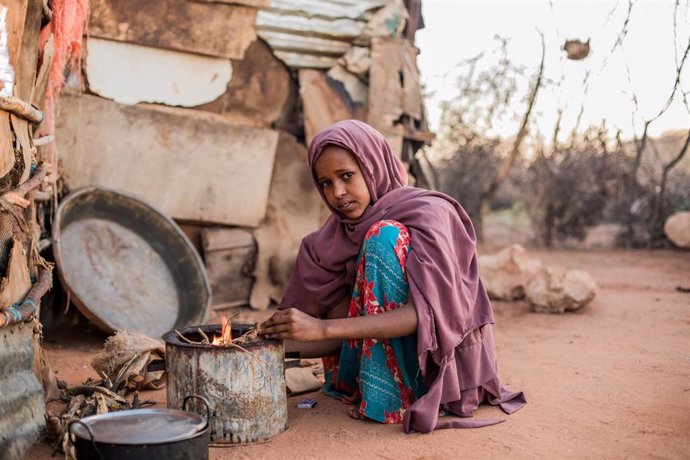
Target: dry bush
x,y
571,189
464,176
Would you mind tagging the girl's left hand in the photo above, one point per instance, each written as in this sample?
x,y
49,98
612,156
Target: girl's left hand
x,y
293,324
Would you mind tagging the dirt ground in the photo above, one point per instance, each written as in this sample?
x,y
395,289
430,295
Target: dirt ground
x,y
609,381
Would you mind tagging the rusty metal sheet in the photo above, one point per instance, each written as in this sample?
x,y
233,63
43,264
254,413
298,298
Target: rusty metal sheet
x,y
313,33
325,102
193,165
353,9
261,92
21,394
131,73
394,88
254,3
246,388
212,29
126,265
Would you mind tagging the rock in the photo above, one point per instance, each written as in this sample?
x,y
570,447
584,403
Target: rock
x,y
506,273
557,290
677,229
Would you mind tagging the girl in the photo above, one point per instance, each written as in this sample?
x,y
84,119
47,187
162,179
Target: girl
x,y
391,282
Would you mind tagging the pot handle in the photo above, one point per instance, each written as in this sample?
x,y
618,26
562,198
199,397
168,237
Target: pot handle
x,y
88,430
202,399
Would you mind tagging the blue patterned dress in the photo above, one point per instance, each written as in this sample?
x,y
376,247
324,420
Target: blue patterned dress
x,y
379,376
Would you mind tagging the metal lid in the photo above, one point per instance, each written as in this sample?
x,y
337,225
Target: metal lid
x,y
141,426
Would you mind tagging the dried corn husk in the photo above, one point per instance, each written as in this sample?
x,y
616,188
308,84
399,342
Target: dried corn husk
x,y
124,360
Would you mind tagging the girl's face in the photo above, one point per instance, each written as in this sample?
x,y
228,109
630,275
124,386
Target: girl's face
x,y
339,176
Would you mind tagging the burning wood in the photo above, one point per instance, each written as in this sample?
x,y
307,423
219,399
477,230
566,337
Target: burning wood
x,y
225,338
225,332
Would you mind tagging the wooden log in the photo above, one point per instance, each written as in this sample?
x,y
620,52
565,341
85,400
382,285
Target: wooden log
x,y
22,131
17,107
25,67
6,147
17,196
206,28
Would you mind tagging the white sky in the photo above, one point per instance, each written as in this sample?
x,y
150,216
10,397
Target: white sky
x,y
461,29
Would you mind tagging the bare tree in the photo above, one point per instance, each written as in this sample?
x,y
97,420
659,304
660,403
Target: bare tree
x,y
506,165
633,184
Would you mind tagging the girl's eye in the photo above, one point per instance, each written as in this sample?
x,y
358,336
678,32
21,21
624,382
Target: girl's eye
x,y
348,175
325,183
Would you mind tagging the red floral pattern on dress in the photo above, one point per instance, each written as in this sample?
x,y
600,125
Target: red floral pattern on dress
x,y
367,344
371,303
407,396
393,417
389,306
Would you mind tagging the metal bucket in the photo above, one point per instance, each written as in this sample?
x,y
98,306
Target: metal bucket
x,y
245,388
143,434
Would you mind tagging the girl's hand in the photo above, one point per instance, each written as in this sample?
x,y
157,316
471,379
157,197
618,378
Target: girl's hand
x,y
293,324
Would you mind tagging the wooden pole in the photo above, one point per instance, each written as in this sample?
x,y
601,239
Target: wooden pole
x,y
20,108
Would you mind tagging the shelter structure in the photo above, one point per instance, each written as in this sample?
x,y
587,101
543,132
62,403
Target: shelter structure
x,y
205,108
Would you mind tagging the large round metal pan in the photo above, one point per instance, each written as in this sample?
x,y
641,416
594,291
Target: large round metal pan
x,y
126,265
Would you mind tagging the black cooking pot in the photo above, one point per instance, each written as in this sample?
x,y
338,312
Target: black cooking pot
x,y
143,434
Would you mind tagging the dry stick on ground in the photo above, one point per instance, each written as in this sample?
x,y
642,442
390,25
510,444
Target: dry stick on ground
x,y
487,196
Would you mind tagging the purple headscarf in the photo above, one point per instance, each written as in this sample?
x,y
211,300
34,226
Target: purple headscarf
x,y
454,316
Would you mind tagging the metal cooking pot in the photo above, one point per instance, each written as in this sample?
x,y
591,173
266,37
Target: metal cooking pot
x,y
143,434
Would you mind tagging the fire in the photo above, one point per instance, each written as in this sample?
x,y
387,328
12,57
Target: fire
x,y
225,336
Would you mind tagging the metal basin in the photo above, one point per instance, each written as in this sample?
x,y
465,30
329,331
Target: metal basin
x,y
126,265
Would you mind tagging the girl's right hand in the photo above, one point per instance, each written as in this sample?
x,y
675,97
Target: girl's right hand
x,y
293,324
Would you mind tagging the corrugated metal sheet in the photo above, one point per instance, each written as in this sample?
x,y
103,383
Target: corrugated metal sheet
x,y
313,33
21,394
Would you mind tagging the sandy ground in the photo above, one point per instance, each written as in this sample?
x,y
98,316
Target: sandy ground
x,y
610,381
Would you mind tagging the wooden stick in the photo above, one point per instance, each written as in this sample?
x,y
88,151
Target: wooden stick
x,y
27,308
203,334
20,108
192,342
17,196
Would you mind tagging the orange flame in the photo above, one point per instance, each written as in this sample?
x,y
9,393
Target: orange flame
x,y
225,336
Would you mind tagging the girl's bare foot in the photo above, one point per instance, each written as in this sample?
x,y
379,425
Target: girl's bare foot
x,y
354,413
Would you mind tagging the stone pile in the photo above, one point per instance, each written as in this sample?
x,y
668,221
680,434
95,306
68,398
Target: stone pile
x,y
513,274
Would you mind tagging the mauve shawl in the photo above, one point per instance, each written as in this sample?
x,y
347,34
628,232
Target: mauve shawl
x,y
455,344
